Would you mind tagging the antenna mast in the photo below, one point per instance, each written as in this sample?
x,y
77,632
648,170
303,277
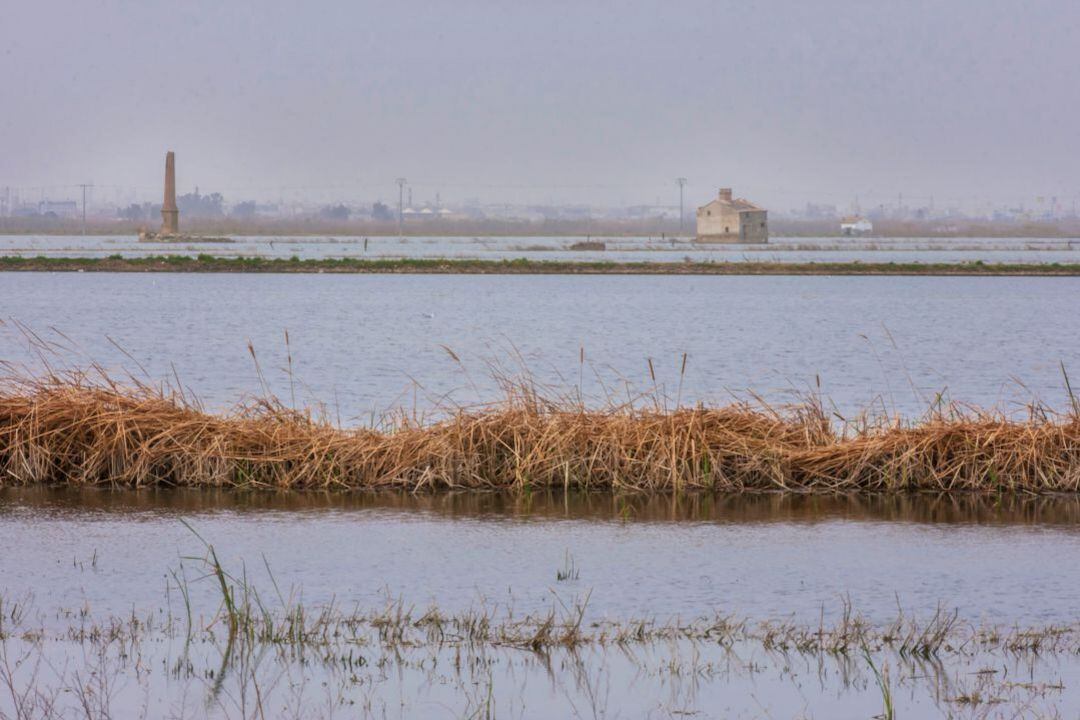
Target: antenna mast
x,y
681,182
400,209
84,186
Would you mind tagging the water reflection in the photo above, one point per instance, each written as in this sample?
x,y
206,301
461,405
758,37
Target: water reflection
x,y
760,556
744,508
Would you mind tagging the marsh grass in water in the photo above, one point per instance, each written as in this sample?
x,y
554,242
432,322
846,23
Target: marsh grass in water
x,y
251,654
87,429
569,570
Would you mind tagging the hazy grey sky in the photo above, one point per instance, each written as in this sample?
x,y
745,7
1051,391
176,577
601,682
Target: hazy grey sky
x,y
531,101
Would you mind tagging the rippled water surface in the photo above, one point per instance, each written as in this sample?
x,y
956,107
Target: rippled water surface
x,y
362,344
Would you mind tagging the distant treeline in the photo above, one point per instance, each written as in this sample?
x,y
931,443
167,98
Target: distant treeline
x,y
331,223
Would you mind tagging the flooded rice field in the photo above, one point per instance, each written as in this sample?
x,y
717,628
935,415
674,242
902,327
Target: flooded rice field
x,y
617,249
535,607
166,603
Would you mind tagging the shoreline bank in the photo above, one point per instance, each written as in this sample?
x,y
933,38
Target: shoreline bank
x,y
522,266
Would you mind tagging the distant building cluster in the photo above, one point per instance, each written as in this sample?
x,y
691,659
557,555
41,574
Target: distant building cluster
x,y
427,212
11,206
724,218
940,215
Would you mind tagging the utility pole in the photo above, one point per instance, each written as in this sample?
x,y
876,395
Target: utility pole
x,y
400,208
84,186
681,182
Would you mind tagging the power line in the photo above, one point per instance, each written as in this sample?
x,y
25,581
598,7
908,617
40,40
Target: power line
x,y
681,182
84,186
400,209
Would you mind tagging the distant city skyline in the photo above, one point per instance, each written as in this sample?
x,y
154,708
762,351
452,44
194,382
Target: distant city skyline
x,y
565,195
108,196
109,203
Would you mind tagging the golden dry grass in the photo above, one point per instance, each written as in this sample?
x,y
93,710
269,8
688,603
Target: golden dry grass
x,y
73,431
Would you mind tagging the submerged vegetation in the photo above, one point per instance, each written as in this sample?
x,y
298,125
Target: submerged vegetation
x,y
72,429
221,648
521,266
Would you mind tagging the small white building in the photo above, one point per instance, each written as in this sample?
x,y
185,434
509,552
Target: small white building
x,y
855,225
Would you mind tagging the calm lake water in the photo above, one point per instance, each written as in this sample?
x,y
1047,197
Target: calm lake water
x,y
363,344
762,558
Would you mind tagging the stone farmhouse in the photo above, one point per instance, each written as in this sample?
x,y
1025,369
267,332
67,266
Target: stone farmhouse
x,y
732,220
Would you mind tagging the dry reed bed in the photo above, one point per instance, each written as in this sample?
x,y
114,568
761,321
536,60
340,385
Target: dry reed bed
x,y
73,431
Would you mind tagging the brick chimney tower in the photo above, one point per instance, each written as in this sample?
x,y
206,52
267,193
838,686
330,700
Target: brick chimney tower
x,y
725,193
170,214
